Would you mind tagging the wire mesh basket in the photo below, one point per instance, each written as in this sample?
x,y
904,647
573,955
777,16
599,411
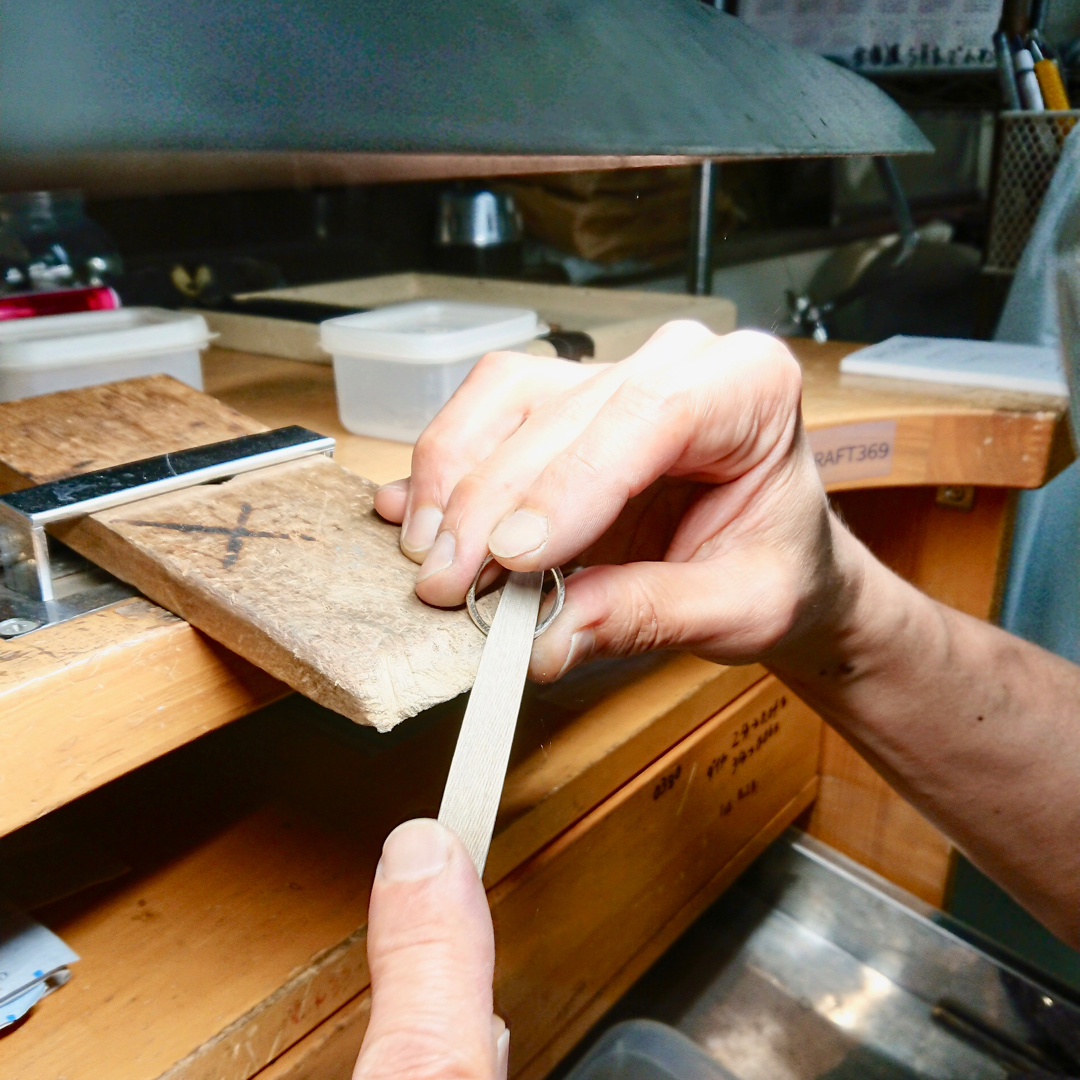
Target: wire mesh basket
x,y
1029,148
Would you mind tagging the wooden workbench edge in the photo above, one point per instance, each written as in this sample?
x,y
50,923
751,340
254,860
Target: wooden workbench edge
x,y
91,699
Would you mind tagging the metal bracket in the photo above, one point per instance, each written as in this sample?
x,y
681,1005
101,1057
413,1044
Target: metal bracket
x,y
955,497
31,594
81,588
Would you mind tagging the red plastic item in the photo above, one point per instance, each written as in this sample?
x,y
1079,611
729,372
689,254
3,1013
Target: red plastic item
x,y
58,302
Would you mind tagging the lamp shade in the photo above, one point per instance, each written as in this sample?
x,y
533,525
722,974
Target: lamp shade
x,y
623,78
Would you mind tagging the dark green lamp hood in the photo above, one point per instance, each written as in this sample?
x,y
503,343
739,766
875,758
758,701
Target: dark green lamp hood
x,y
672,79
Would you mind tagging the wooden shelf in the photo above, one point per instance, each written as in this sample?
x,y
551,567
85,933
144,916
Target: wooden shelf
x,y
86,701
240,929
945,435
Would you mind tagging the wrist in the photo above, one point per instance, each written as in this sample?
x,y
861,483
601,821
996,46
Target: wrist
x,y
861,615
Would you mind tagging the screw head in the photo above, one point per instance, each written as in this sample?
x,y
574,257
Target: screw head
x,y
10,628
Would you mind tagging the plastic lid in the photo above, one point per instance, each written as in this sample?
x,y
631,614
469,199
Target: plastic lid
x,y
86,337
647,1050
428,331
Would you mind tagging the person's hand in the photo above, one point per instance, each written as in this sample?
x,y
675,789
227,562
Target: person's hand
x,y
681,477
431,955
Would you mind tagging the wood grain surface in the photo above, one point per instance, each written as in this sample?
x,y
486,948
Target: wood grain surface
x,y
944,434
290,567
952,435
80,431
268,905
618,888
86,701
131,662
213,960
203,967
571,769
330,1051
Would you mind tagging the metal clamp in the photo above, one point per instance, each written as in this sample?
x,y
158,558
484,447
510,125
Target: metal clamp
x,y
24,548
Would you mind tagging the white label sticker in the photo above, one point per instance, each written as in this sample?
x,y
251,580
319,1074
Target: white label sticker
x,y
854,451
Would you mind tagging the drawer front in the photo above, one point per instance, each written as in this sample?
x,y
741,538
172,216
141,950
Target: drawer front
x,y
577,923
569,921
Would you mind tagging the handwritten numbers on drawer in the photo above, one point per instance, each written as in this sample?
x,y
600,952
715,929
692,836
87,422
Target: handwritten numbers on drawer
x,y
666,782
716,765
731,760
752,735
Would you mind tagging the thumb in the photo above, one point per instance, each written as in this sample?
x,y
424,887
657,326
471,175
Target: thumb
x,y
730,610
431,953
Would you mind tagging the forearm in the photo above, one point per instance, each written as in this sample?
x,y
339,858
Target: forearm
x,y
978,729
537,462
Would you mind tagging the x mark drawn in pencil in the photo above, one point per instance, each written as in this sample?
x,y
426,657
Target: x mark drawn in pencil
x,y
237,534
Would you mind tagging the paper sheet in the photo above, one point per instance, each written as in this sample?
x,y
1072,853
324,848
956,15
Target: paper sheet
x,y
1032,369
33,963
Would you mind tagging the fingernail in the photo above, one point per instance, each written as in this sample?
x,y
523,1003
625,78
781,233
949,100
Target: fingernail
x,y
581,645
502,1050
521,532
440,556
416,850
397,485
421,530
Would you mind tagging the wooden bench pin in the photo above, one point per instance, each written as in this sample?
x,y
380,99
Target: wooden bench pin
x,y
259,539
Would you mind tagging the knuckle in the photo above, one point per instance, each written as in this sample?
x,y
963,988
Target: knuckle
x,y
471,489
642,629
570,407
644,399
769,355
583,466
688,333
426,445
499,365
476,491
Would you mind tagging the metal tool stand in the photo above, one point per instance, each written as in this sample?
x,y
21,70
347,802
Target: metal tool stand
x,y
699,277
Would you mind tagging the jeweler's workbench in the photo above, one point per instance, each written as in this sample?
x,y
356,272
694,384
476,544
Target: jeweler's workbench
x,y
235,948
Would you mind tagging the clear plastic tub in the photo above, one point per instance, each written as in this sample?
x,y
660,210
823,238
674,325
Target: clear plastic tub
x,y
64,352
646,1050
395,367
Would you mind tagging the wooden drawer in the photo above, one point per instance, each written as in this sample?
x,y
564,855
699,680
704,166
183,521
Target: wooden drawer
x,y
241,927
577,923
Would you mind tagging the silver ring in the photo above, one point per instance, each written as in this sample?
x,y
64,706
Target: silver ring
x,y
484,626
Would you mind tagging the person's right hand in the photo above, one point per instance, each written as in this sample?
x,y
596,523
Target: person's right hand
x,y
681,477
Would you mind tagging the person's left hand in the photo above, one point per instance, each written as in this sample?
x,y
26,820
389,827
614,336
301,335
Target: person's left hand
x,y
432,955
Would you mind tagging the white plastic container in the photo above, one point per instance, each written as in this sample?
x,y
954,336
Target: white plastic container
x,y
395,367
647,1050
64,352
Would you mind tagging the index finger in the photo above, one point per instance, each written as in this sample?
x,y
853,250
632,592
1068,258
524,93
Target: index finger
x,y
497,396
